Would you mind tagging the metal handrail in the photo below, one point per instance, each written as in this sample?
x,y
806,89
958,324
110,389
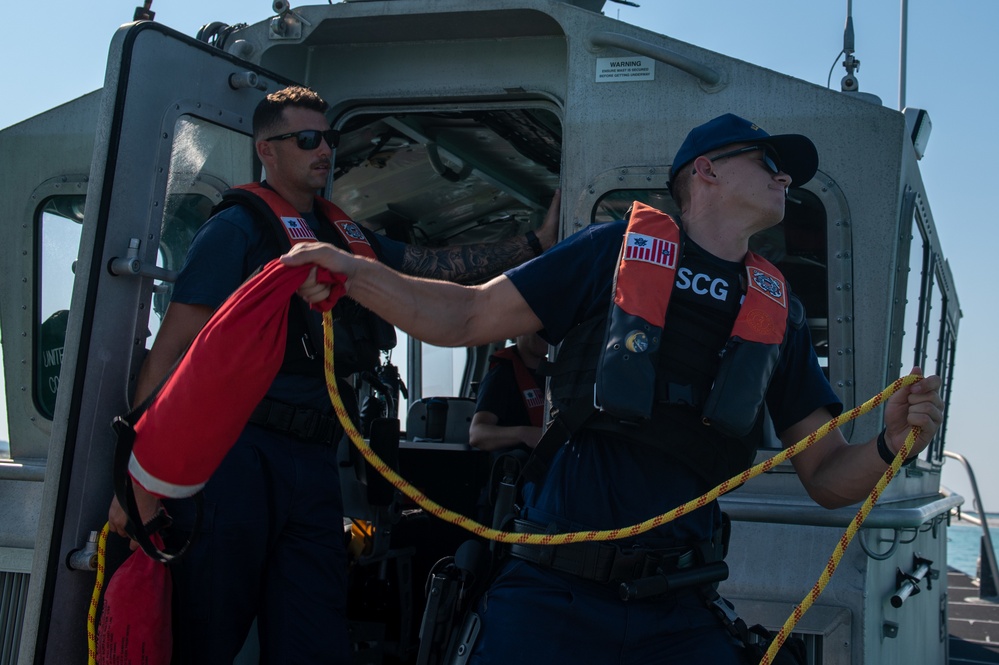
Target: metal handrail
x,y
990,553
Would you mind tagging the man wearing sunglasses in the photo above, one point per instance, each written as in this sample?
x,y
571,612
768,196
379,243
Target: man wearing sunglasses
x,y
676,342
273,544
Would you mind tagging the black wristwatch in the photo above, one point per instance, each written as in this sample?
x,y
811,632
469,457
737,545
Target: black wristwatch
x,y
886,454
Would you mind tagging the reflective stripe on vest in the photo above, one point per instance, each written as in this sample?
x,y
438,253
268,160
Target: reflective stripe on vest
x,y
534,400
643,284
297,229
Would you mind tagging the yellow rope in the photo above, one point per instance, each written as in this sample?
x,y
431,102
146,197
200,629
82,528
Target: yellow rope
x,y
584,536
95,598
614,534
576,536
840,548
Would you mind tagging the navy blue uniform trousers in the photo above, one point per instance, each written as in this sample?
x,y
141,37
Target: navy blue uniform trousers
x,y
271,548
530,615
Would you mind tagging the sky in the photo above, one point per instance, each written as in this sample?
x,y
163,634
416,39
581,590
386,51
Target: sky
x,y
952,65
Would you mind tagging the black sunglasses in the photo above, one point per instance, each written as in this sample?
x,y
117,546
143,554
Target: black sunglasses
x,y
308,139
770,158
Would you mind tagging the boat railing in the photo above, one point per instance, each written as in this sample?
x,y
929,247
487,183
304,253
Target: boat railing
x,y
990,575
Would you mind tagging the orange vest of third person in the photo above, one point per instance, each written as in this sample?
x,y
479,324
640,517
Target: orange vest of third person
x,y
530,393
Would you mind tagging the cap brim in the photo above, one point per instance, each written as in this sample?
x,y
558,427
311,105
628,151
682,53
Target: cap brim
x,y
798,156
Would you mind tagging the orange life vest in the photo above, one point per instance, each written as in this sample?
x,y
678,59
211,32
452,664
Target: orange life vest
x,y
297,229
609,377
626,373
530,393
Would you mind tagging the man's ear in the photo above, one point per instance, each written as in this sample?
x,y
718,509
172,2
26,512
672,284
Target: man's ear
x,y
703,167
264,149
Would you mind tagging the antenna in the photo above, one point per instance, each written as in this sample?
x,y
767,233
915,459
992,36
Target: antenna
x,y
903,44
851,64
144,13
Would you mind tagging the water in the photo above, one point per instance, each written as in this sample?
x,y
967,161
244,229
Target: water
x,y
964,545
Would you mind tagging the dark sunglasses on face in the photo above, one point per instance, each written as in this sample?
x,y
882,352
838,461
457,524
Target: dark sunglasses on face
x,y
770,158
308,139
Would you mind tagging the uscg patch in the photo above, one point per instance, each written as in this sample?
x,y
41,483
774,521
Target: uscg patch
x,y
768,285
350,230
650,250
297,229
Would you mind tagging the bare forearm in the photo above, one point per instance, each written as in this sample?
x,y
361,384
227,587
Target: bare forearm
x,y
180,325
838,474
496,437
441,313
154,368
437,312
846,475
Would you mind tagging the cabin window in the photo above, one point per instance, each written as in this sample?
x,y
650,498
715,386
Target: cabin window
x,y
206,159
442,372
929,334
60,220
441,177
921,304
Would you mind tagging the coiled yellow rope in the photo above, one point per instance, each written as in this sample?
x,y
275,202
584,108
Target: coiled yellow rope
x,y
95,598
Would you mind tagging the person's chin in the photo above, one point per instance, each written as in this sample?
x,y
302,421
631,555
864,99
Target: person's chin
x,y
318,181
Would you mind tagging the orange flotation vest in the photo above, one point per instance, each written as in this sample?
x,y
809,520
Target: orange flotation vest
x,y
530,393
626,373
294,227
615,381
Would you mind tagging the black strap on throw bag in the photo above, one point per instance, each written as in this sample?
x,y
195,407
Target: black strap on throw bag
x,y
124,432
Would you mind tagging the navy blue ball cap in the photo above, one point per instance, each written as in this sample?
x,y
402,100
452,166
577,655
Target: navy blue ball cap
x,y
798,157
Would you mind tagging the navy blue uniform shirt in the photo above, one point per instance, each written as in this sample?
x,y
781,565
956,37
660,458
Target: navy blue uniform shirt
x,y
601,481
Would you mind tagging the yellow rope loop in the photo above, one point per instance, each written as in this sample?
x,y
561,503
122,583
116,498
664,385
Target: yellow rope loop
x,y
483,531
95,598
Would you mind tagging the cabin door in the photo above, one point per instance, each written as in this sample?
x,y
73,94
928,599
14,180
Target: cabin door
x,y
44,164
173,127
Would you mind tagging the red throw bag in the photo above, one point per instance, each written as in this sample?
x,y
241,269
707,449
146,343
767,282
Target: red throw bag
x,y
197,415
135,627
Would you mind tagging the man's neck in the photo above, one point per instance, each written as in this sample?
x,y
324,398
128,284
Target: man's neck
x,y
301,201
530,361
725,238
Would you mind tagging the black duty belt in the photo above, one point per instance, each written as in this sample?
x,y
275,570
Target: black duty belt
x,y
602,562
307,425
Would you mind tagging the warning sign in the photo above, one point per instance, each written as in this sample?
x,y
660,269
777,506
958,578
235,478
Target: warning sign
x,y
630,68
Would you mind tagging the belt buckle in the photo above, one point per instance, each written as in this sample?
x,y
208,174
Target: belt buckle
x,y
322,427
668,562
303,424
326,428
628,564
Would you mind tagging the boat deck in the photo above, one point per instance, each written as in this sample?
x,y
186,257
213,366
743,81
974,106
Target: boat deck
x,y
973,623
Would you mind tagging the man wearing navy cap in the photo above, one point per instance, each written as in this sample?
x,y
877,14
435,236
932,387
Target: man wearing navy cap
x,y
676,339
